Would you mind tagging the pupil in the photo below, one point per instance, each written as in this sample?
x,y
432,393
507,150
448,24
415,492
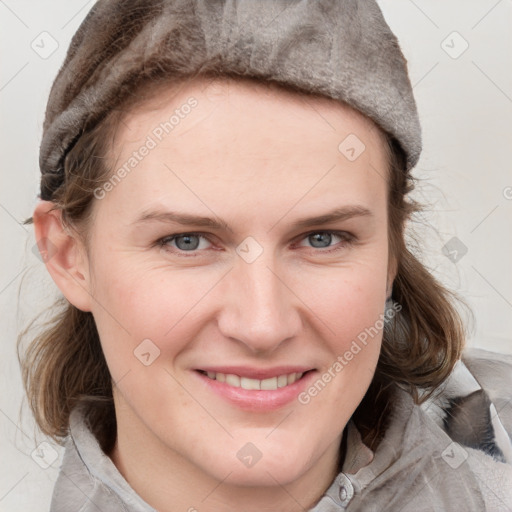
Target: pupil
x,y
187,245
318,237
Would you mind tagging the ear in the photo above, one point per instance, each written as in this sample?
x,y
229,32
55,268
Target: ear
x,y
63,254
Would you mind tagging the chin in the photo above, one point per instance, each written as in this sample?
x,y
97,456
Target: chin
x,y
249,466
264,474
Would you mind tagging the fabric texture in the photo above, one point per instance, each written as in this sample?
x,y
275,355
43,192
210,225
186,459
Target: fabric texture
x,y
343,50
454,452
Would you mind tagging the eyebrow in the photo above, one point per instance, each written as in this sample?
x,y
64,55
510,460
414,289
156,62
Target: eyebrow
x,y
186,219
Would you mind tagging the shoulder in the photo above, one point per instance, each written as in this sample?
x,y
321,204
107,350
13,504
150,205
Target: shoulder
x,y
76,489
474,408
493,372
474,405
88,480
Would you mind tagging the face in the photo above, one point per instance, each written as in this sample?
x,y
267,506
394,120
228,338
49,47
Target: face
x,y
245,247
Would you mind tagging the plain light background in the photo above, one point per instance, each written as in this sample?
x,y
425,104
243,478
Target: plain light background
x,y
459,62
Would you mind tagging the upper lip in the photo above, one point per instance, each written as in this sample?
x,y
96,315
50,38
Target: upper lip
x,y
256,373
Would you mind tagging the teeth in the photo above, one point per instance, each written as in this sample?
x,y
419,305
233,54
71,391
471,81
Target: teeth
x,y
282,381
292,378
233,380
246,383
269,384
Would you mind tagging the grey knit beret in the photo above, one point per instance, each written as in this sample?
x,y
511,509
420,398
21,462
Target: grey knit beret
x,y
342,49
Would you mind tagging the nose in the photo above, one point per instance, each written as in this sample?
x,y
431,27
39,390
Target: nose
x,y
259,309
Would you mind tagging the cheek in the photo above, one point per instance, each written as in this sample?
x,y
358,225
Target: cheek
x,y
344,302
349,307
144,322
135,304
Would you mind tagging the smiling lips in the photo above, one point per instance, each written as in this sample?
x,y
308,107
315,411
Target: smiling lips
x,y
256,389
270,384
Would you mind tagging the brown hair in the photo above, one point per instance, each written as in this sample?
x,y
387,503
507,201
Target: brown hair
x,y
65,365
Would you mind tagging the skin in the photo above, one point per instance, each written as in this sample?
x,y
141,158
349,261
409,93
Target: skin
x,y
260,159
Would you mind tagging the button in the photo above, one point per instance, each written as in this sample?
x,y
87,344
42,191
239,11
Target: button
x,y
346,490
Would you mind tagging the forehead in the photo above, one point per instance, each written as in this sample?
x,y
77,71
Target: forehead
x,y
212,137
288,104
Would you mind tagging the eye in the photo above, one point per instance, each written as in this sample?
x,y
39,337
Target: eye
x,y
322,239
181,243
184,242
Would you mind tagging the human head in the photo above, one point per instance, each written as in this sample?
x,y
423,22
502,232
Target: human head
x,y
421,298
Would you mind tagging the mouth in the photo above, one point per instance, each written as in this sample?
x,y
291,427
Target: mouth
x,y
274,389
269,384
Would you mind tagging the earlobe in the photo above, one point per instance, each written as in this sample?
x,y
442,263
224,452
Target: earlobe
x,y
63,255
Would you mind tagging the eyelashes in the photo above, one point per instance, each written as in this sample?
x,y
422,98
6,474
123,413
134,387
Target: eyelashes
x,y
347,240
164,242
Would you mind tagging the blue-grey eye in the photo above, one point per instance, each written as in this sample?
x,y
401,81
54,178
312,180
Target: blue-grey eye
x,y
321,239
187,242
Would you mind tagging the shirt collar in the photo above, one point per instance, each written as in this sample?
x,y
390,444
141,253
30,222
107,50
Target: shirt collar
x,y
361,465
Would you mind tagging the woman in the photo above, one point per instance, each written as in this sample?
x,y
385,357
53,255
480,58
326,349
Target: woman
x,y
223,202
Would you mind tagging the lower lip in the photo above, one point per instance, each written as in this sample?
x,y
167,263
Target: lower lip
x,y
258,400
